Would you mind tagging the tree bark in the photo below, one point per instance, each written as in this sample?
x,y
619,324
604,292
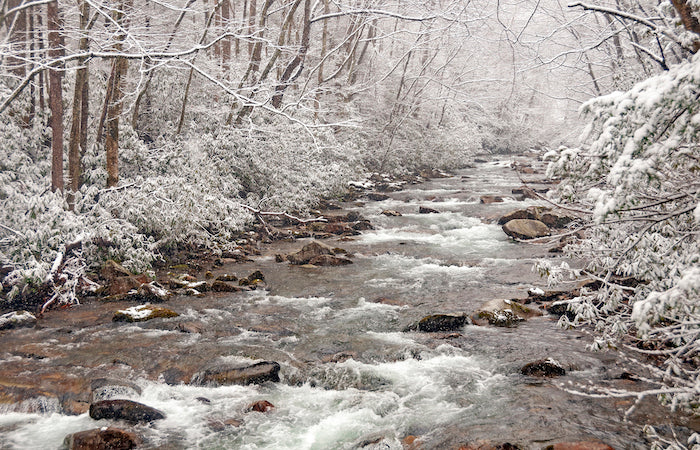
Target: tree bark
x,y
55,96
688,19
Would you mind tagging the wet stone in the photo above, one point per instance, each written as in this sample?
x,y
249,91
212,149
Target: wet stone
x,y
142,313
111,388
543,368
526,229
442,322
391,213
102,438
226,374
426,210
584,445
126,410
262,406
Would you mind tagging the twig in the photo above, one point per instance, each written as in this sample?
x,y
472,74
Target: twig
x,y
259,213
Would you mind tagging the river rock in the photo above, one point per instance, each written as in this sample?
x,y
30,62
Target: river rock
x,y
253,279
127,410
426,210
309,252
526,229
222,286
262,406
485,445
142,313
488,199
583,445
503,313
112,270
330,260
391,213
340,229
377,197
543,368
442,322
151,292
226,374
17,319
102,438
111,388
532,212
556,219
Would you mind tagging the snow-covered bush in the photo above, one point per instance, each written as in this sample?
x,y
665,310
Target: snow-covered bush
x,y
638,173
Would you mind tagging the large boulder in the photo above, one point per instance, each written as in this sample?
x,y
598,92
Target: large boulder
x,y
17,319
142,313
556,218
309,252
127,410
526,229
226,374
112,388
102,438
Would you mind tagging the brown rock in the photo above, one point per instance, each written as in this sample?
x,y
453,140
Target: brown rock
x,y
226,277
102,438
262,406
330,260
222,286
377,197
391,213
142,313
112,270
556,219
127,410
426,210
124,284
226,374
340,229
309,252
411,443
503,313
533,213
526,229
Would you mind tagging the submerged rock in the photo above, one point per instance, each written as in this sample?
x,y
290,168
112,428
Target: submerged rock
x,y
391,213
526,229
102,438
17,319
127,410
225,374
442,322
377,197
142,313
426,210
543,368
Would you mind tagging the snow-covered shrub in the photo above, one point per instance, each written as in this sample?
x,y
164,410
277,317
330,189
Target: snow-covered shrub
x,y
638,173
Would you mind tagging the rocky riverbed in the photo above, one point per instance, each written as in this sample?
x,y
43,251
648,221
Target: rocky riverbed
x,y
409,319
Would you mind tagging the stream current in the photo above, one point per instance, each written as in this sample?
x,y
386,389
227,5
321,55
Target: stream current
x,y
350,377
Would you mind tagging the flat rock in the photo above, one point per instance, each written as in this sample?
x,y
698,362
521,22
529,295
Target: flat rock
x,y
142,313
17,319
377,197
223,286
526,229
556,219
426,210
391,213
127,410
102,438
543,368
226,374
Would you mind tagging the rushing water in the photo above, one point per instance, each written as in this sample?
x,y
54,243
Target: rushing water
x,y
350,377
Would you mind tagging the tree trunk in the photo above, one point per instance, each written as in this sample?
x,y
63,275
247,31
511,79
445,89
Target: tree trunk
x,y
16,24
55,96
287,75
80,103
688,19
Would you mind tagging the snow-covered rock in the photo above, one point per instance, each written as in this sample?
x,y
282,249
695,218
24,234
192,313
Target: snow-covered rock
x,y
17,319
142,313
